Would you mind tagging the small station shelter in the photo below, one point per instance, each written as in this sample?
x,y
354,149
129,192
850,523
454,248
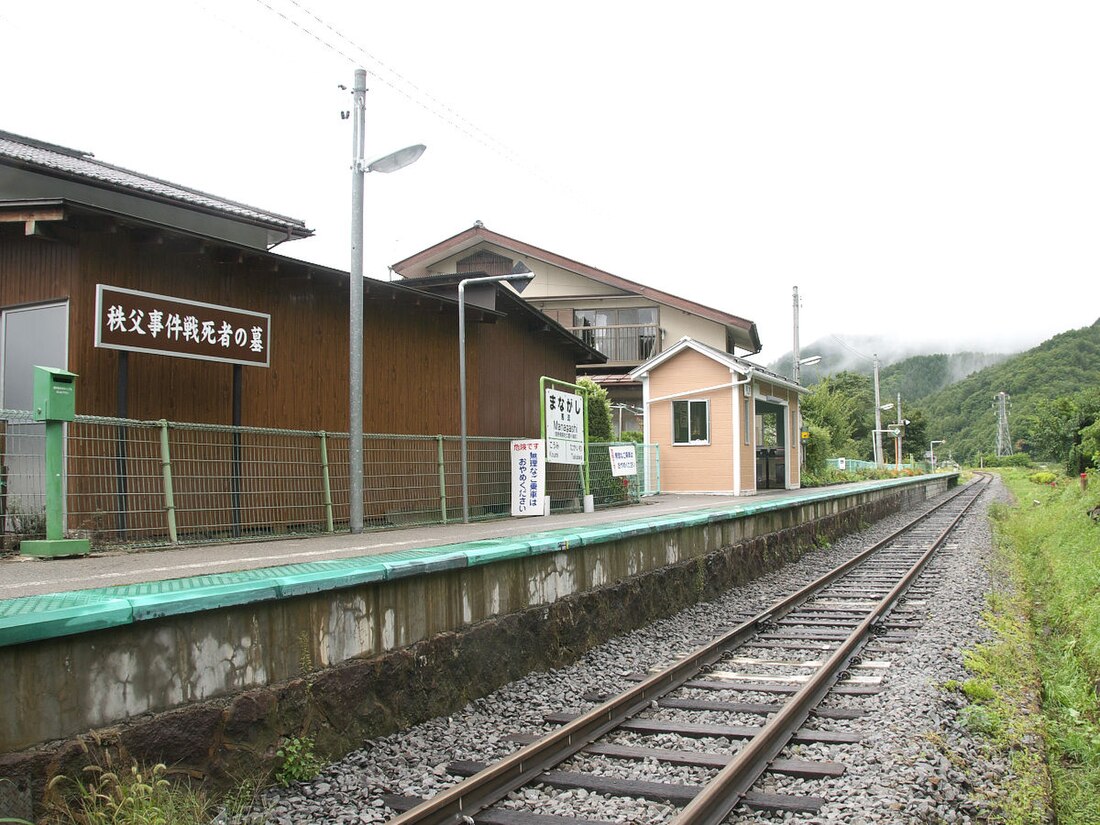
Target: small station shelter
x,y
723,424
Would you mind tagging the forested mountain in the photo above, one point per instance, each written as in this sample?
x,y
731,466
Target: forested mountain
x,y
1066,365
1054,411
920,376
914,376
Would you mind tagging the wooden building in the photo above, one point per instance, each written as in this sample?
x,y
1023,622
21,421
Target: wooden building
x,y
69,223
73,228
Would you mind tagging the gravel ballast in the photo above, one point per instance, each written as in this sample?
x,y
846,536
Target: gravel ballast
x,y
915,762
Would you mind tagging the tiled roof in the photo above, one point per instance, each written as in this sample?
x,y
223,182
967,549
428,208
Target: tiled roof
x,y
82,166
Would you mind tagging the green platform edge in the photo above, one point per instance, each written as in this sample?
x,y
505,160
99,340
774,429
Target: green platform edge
x,y
53,615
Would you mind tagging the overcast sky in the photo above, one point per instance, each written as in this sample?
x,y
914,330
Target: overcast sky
x,y
926,171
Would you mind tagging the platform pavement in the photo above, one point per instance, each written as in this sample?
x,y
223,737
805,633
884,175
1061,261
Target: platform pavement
x,y
27,576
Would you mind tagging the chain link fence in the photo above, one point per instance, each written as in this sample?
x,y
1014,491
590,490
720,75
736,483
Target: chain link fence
x,y
151,483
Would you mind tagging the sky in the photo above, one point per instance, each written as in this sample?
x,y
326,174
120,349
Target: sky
x,y
924,172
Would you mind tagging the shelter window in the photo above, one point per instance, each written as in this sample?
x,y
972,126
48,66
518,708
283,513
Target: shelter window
x,y
690,422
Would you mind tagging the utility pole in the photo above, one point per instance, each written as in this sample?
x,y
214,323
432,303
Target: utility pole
x,y
901,427
797,354
878,419
355,369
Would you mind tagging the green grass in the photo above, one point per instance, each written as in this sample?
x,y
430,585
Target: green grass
x,y
135,797
1051,550
1002,713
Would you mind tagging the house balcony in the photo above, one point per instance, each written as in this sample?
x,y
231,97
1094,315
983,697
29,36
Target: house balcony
x,y
622,344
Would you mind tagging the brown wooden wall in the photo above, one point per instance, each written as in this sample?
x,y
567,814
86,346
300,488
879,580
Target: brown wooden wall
x,y
410,347
508,386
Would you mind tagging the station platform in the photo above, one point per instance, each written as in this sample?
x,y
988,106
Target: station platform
x,y
45,598
208,657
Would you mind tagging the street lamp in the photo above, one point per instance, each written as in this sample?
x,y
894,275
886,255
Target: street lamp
x,y
932,451
804,362
521,276
390,163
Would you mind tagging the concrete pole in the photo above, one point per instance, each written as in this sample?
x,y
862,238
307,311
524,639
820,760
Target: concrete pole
x,y
462,399
355,371
878,419
797,366
900,427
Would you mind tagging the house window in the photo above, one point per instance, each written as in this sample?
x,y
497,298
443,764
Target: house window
x,y
621,333
690,422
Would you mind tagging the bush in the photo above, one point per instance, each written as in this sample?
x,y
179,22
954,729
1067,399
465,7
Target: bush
x,y
300,763
817,449
599,410
1042,478
1014,460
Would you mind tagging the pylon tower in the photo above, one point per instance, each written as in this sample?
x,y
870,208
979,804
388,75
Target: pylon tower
x,y
1004,440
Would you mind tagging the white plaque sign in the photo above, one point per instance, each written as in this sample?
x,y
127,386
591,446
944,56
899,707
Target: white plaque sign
x,y
528,478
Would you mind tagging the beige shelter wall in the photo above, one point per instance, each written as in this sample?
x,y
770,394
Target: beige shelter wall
x,y
693,468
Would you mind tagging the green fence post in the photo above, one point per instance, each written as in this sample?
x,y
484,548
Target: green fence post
x,y
166,470
442,481
326,483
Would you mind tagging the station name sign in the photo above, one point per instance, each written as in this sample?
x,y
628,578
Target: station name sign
x,y
126,319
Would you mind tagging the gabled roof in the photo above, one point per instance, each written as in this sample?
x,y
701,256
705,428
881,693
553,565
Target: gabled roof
x,y
739,365
418,266
82,167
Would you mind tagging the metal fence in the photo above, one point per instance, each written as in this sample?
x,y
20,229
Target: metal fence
x,y
859,464
158,482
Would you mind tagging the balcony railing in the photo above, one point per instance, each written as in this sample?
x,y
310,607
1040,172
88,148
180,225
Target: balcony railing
x,y
622,344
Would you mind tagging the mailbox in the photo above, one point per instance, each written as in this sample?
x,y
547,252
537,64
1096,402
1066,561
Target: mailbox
x,y
54,394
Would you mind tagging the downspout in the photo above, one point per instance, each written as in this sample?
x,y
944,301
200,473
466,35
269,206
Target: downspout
x,y
646,435
738,441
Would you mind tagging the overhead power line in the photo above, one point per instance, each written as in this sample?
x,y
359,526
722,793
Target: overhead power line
x,y
396,81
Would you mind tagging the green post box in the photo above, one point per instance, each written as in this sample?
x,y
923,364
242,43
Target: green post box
x,y
54,394
55,403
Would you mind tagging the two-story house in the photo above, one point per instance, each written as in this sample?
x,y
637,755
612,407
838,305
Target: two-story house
x,y
626,321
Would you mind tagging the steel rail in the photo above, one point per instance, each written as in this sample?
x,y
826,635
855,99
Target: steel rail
x,y
458,804
721,795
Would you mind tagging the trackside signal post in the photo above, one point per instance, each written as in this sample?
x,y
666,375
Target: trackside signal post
x,y
567,441
55,403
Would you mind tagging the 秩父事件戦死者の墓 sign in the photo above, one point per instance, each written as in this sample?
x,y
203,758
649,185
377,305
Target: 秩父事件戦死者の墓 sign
x,y
127,319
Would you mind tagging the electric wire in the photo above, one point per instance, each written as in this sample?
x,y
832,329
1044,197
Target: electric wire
x,y
418,96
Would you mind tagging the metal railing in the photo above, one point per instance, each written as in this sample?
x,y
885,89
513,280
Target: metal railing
x,y
859,464
625,343
160,483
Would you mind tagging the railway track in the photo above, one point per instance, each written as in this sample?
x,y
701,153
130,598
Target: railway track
x,y
779,666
